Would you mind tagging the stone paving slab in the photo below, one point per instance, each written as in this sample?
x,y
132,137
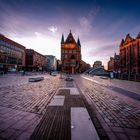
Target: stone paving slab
x,y
81,124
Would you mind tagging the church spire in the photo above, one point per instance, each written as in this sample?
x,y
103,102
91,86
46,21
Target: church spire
x,y
62,39
78,42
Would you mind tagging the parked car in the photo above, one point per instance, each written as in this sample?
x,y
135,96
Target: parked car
x,y
69,78
54,73
12,70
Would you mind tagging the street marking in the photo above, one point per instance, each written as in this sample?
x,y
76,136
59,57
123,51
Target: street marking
x,y
91,80
73,91
82,127
57,101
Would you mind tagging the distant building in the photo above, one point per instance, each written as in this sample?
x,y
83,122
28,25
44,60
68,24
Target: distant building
x,y
34,60
130,55
59,63
70,54
84,66
51,63
98,64
12,54
113,63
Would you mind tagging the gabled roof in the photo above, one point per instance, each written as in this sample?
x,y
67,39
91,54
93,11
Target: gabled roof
x,y
128,39
70,38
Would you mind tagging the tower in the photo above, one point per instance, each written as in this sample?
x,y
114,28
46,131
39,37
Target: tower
x,y
70,54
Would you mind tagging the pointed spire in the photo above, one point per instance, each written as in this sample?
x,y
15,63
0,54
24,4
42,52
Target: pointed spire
x,y
62,39
122,42
78,42
70,30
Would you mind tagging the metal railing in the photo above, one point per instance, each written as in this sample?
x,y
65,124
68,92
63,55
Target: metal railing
x,y
130,77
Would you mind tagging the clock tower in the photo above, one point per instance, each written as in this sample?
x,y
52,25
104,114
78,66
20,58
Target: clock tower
x,y
70,54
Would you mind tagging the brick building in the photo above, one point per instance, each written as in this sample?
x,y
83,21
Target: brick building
x,y
84,66
70,54
114,63
98,64
34,60
130,55
12,54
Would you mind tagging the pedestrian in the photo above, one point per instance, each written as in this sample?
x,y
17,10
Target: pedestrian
x,y
23,72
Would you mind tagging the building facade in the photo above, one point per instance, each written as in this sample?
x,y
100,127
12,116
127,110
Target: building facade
x,y
12,54
84,66
70,54
98,64
34,60
114,63
130,55
51,63
59,63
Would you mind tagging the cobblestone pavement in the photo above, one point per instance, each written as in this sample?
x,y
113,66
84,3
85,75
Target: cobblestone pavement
x,y
118,114
59,121
23,103
123,84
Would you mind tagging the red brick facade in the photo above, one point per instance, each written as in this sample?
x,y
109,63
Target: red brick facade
x,y
70,54
34,60
130,55
114,63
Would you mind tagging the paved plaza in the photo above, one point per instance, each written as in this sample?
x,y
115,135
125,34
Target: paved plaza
x,y
23,103
116,103
55,109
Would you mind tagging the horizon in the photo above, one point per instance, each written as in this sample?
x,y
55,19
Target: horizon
x,y
100,25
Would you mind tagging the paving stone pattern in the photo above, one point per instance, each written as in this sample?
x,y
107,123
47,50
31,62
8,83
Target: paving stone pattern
x,y
56,123
30,97
120,119
23,104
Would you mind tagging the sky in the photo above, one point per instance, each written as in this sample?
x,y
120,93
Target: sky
x,y
100,24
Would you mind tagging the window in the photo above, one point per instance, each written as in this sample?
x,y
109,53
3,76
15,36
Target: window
x,y
74,51
66,56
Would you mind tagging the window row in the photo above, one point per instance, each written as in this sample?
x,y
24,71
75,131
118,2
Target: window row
x,y
69,51
10,60
2,42
70,57
5,50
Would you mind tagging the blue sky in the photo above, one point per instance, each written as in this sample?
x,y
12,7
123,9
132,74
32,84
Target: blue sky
x,y
100,24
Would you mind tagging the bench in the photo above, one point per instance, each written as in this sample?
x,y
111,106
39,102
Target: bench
x,y
36,79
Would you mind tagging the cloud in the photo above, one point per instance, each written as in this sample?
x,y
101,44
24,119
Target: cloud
x,y
85,24
86,21
37,34
53,29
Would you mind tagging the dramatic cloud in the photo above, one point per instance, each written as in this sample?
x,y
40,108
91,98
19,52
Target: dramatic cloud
x,y
100,25
86,21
